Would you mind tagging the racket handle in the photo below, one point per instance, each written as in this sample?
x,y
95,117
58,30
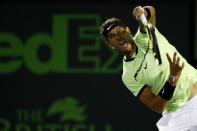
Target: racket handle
x,y
143,20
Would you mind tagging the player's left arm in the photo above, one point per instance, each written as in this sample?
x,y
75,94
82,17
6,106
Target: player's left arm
x,y
149,12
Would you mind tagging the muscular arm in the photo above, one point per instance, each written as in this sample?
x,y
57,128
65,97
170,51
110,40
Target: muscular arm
x,y
154,102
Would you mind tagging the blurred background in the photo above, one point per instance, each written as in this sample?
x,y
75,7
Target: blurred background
x,y
57,74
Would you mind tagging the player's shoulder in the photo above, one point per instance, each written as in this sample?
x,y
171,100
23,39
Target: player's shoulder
x,y
129,69
128,79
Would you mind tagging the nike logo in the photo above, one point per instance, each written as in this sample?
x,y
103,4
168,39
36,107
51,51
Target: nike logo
x,y
145,66
162,91
108,28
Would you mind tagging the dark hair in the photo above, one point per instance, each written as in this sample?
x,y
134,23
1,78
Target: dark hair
x,y
109,24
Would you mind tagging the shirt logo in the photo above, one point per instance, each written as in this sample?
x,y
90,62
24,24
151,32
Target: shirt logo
x,y
108,28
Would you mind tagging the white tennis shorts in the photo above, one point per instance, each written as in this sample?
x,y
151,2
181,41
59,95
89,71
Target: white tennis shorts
x,y
184,119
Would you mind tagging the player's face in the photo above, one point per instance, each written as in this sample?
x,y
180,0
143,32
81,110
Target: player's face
x,y
120,39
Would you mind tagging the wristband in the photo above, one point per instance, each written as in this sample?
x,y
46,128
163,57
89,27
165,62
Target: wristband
x,y
167,91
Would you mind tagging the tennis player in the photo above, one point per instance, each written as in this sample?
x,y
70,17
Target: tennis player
x,y
154,71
